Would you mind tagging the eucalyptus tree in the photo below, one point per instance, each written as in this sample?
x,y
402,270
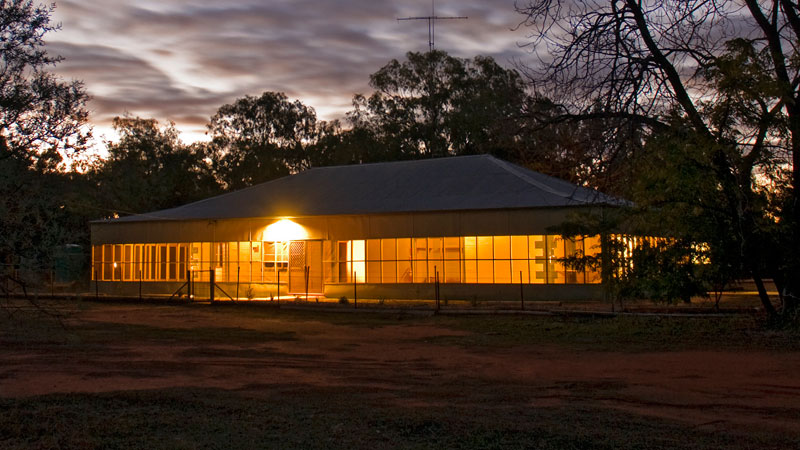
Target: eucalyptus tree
x,y
433,104
256,139
150,168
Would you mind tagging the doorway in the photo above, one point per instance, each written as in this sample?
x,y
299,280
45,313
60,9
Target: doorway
x,y
305,267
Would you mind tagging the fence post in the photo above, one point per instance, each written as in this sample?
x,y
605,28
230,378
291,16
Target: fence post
x,y
212,281
237,281
305,274
436,286
521,295
278,288
189,284
140,285
355,291
96,286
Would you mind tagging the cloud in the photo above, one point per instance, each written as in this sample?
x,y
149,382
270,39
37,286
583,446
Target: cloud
x,y
182,59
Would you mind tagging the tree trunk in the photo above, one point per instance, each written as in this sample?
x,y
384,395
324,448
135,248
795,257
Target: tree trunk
x,y
763,296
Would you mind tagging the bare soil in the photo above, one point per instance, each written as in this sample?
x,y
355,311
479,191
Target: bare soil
x,y
409,363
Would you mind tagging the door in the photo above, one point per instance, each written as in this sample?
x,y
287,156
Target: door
x,y
305,267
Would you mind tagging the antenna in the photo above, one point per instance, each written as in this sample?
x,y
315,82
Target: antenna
x,y
432,23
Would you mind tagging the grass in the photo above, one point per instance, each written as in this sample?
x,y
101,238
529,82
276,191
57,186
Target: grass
x,y
620,333
292,418
286,415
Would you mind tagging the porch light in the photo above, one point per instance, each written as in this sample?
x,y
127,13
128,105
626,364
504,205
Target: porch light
x,y
284,230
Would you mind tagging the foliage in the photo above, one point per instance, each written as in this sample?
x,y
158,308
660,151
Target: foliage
x,y
727,133
41,116
256,139
433,104
149,168
42,121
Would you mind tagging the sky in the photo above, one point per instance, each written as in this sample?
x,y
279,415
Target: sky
x,y
180,60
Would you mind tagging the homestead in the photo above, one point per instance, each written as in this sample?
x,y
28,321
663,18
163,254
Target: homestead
x,y
478,225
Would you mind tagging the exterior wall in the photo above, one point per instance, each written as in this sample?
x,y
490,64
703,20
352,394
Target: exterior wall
x,y
468,292
353,227
465,291
444,224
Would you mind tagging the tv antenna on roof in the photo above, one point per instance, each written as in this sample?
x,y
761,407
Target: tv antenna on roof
x,y
432,23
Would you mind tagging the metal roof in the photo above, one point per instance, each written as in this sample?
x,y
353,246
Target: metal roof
x,y
477,182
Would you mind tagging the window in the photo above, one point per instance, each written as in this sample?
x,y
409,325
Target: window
x,y
534,259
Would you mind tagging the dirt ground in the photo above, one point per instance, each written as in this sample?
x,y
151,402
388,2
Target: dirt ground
x,y
410,363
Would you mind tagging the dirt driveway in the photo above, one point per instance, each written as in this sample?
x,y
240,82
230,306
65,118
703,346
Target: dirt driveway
x,y
408,362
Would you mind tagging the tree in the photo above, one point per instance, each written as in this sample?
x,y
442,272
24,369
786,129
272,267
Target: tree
x,y
433,104
715,75
257,139
42,118
149,168
42,121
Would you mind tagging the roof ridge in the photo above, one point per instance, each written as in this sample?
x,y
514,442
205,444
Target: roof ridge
x,y
402,161
511,168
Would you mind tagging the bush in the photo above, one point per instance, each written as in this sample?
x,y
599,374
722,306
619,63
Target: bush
x,y
343,300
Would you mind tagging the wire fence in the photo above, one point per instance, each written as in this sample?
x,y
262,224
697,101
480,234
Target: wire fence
x,y
67,271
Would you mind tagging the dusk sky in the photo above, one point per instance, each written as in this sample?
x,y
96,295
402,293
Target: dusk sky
x,y
180,60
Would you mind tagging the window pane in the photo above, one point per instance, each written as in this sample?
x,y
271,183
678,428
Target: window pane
x,y
373,249
137,262
118,262
539,271
435,251
555,272
519,247
358,252
470,271
244,262
389,250
162,268
435,270
536,247
127,263
591,245
256,265
485,271
344,266
572,246
555,246
173,262
485,247
389,271
452,249
108,263
420,249
470,248
502,247
420,271
153,262
404,272
182,261
520,266
502,271
404,249
452,271
373,271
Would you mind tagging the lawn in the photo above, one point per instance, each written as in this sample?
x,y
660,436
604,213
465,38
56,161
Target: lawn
x,y
244,376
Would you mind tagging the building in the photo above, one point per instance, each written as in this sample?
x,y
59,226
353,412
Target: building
x,y
477,224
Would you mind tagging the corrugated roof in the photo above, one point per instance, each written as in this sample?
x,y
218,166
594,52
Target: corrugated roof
x,y
445,184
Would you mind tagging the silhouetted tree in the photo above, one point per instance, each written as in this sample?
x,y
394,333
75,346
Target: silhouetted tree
x,y
718,74
433,104
149,168
256,139
42,121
